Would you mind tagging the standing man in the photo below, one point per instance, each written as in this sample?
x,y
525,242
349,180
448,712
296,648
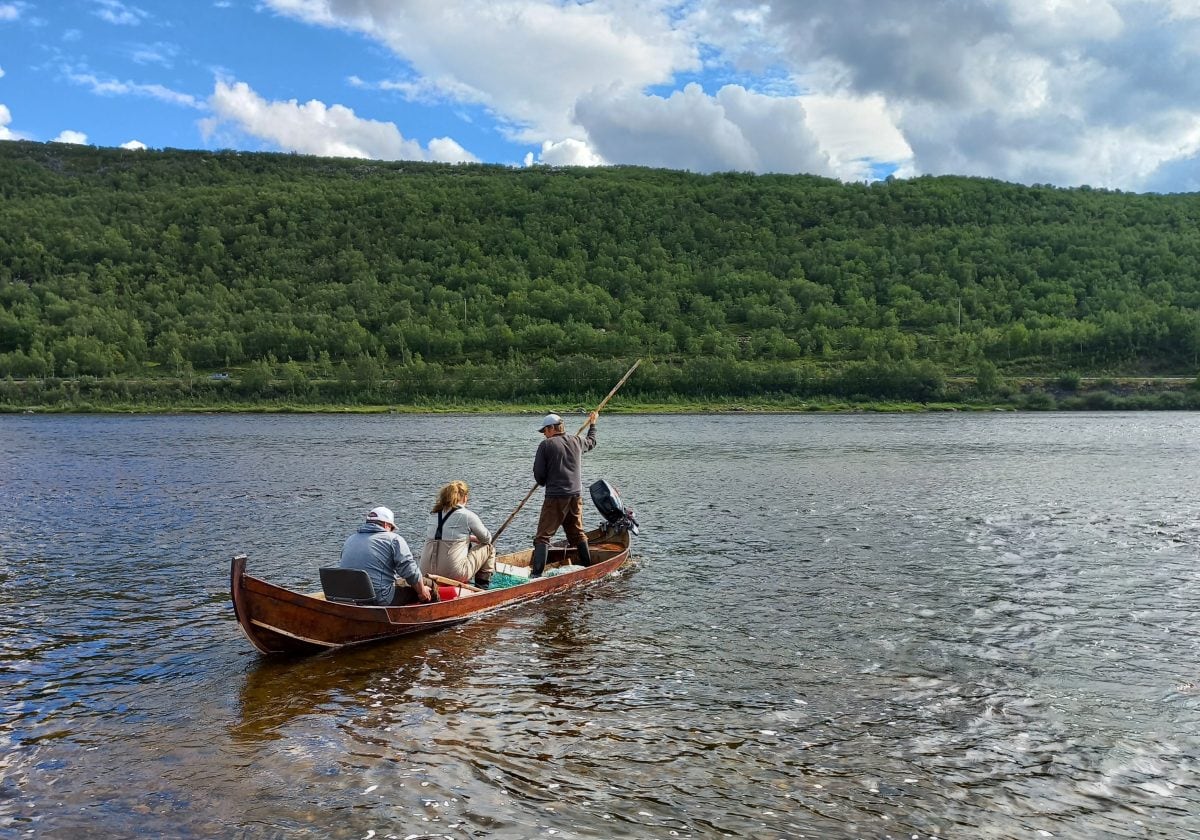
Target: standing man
x,y
383,554
556,466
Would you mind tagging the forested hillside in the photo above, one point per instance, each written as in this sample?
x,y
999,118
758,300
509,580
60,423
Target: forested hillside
x,y
351,279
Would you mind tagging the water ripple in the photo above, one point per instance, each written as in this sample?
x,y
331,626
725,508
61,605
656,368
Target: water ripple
x,y
835,627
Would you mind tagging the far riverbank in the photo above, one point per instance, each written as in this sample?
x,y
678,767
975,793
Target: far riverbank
x,y
1035,400
223,394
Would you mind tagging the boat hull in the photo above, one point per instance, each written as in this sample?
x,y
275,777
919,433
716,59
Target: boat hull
x,y
281,621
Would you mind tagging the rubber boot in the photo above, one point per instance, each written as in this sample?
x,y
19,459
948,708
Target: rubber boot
x,y
483,579
538,564
585,554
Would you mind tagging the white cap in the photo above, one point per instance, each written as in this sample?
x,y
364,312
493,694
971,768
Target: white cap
x,y
381,514
550,420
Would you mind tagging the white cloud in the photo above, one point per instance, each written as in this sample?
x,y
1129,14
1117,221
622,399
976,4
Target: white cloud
x,y
114,87
317,129
314,11
425,91
10,11
855,132
118,14
1062,91
525,60
576,80
160,53
1024,90
569,152
1183,9
735,130
5,132
133,145
1,72
68,136
1071,20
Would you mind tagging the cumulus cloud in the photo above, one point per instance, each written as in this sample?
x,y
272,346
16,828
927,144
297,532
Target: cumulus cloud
x,y
734,130
7,133
526,61
133,145
1105,92
68,136
580,81
857,133
569,152
319,129
1016,89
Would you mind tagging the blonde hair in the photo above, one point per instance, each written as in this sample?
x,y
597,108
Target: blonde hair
x,y
451,496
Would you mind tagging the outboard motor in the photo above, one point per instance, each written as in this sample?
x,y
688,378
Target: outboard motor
x,y
617,517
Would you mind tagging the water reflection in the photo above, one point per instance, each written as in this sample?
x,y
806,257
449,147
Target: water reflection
x,y
367,683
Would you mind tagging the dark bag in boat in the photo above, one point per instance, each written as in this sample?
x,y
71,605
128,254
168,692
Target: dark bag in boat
x,y
606,500
435,593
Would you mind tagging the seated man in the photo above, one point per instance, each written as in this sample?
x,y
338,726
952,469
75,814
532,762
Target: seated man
x,y
383,554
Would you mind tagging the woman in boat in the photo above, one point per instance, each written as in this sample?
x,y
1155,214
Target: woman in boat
x,y
457,545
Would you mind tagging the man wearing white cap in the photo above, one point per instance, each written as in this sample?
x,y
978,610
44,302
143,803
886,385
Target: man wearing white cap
x,y
556,466
383,554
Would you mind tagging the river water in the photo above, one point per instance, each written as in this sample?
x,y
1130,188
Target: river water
x,y
956,626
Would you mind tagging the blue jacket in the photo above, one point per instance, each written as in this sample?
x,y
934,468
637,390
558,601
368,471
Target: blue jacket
x,y
384,556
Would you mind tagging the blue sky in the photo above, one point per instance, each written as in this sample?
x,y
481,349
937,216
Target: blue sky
x,y
1069,92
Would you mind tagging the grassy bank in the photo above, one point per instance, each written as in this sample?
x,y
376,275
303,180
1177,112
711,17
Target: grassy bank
x,y
715,406
865,388
1032,400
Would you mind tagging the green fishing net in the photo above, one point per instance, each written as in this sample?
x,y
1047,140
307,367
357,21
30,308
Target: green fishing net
x,y
503,581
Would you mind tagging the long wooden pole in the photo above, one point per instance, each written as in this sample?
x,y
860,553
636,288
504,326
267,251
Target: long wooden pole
x,y
582,428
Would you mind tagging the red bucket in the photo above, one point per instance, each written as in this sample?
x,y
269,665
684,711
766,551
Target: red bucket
x,y
447,593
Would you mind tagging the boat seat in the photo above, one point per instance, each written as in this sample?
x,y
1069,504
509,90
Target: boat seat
x,y
347,586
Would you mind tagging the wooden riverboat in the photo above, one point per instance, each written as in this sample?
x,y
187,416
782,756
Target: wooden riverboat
x,y
281,621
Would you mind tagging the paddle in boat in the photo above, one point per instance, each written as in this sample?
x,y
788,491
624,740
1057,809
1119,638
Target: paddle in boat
x,y
281,621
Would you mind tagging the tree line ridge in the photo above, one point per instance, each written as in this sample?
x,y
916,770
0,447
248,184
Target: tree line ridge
x,y
138,275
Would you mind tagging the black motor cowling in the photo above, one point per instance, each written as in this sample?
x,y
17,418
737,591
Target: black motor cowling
x,y
616,516
606,500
